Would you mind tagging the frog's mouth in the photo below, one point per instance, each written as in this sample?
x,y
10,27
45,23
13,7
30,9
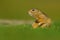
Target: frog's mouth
x,y
30,14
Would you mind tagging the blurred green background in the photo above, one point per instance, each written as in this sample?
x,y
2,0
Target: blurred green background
x,y
17,9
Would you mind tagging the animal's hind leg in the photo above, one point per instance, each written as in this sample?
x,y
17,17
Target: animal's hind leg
x,y
43,25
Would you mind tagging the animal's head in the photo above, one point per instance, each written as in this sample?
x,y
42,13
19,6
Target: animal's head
x,y
33,11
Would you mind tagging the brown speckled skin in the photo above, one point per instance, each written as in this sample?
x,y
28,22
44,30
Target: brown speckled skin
x,y
42,19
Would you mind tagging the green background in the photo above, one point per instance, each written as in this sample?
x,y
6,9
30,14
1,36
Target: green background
x,y
17,9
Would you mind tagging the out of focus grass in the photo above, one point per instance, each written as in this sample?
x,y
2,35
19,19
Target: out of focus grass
x,y
17,9
26,32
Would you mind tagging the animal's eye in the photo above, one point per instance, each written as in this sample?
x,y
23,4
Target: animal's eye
x,y
33,10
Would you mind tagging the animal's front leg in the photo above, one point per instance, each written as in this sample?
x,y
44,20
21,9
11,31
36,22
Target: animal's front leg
x,y
35,25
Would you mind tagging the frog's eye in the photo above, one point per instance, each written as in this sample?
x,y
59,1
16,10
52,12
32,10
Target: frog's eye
x,y
33,9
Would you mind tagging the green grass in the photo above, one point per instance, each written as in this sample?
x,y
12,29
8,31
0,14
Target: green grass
x,y
26,32
17,9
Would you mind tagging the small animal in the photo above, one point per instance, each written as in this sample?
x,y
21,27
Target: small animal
x,y
42,20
